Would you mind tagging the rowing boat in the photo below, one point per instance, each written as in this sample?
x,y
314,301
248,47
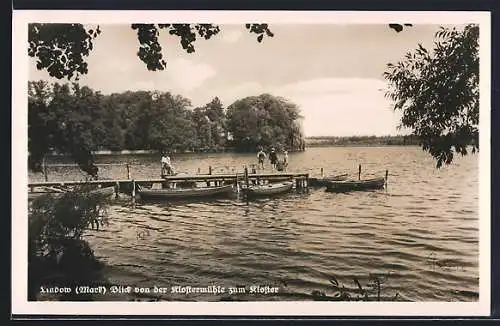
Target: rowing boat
x,y
355,185
181,193
105,191
322,181
56,192
270,189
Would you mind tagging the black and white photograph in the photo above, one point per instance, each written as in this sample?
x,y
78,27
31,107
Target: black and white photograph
x,y
292,161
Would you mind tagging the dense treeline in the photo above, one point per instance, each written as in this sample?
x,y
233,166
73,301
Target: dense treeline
x,y
71,119
363,140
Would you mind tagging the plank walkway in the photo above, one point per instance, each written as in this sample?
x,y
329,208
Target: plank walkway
x,y
181,178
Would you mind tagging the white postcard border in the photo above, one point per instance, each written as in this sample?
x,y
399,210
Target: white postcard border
x,y
20,61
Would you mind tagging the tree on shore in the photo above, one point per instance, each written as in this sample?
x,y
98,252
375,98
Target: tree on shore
x,y
170,125
264,120
438,93
62,117
211,126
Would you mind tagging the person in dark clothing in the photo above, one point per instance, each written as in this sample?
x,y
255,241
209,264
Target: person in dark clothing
x,y
273,157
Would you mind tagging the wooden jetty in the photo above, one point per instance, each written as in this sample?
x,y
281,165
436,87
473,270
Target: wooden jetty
x,y
130,185
301,178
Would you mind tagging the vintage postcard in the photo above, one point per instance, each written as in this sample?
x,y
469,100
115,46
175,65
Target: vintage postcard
x,y
251,163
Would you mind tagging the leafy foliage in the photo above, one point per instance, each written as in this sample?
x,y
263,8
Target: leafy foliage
x,y
210,126
61,48
57,254
264,120
62,118
399,27
260,30
438,93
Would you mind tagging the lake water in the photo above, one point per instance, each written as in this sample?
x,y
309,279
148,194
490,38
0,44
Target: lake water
x,y
421,232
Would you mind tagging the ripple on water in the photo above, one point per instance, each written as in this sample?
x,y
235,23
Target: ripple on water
x,y
422,233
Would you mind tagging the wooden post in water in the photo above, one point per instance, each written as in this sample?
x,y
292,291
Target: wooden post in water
x,y
359,172
128,171
199,171
133,193
386,176
237,184
44,168
322,173
210,170
246,177
117,189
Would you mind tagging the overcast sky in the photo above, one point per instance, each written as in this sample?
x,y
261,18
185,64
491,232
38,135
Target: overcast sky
x,y
333,72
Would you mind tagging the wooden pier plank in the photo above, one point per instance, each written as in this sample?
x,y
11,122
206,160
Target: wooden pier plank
x,y
198,177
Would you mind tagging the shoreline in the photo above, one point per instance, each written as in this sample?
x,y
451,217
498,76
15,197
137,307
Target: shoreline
x,y
228,150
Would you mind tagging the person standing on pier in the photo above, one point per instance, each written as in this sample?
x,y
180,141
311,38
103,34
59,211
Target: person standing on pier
x,y
285,160
261,156
166,165
273,157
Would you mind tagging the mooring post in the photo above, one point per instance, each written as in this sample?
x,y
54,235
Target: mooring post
x,y
386,176
199,171
133,193
117,189
237,184
210,170
44,167
359,172
128,171
246,177
322,173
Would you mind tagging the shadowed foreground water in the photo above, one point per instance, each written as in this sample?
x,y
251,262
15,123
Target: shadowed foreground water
x,y
422,232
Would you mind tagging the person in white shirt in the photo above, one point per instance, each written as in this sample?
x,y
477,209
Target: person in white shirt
x,y
285,160
166,166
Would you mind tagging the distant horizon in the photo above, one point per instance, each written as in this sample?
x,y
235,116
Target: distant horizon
x,y
359,135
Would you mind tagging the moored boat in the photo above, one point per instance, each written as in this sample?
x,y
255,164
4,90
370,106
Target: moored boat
x,y
56,192
269,189
182,193
322,181
105,191
355,185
